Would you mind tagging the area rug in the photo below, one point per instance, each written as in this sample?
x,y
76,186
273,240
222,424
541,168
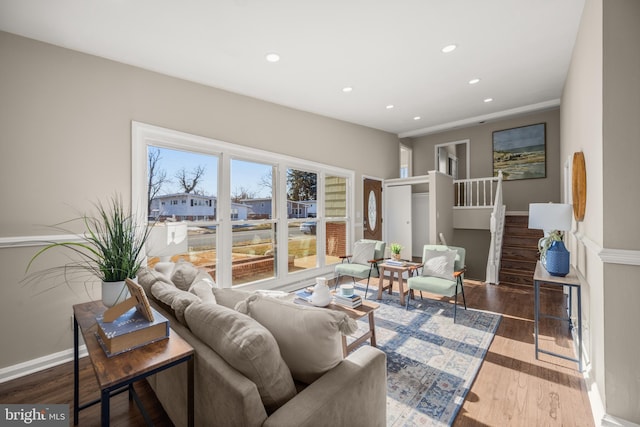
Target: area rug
x,y
431,362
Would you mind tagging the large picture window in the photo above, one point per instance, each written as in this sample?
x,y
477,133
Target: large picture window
x,y
255,219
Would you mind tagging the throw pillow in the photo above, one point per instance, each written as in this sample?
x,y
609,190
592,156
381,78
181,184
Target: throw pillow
x,y
147,277
439,264
247,346
309,338
363,252
175,298
202,289
230,297
184,273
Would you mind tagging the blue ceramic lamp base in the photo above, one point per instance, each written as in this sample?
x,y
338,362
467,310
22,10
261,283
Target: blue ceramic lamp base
x,y
557,259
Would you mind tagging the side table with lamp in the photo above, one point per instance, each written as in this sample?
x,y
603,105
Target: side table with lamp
x,y
554,267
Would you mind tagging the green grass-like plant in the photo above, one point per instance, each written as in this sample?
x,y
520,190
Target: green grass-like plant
x,y
111,248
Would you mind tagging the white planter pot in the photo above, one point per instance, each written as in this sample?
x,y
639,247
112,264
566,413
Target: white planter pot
x,y
114,292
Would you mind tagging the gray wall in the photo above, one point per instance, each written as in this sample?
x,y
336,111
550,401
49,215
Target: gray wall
x,y
517,194
65,122
600,111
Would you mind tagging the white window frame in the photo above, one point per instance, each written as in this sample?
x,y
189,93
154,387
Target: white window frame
x,y
144,135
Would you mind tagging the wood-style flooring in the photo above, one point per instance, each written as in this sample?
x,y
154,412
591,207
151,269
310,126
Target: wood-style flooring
x,y
512,387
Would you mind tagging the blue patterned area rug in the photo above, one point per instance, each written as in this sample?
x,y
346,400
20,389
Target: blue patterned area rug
x,y
431,362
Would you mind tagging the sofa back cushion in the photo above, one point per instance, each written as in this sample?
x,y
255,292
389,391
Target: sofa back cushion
x,y
310,338
173,297
247,346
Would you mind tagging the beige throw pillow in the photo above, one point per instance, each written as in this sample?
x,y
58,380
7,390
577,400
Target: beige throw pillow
x,y
439,264
247,346
202,289
175,298
184,273
310,338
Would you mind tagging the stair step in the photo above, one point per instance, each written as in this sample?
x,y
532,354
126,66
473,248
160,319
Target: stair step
x,y
514,230
517,219
519,253
519,264
528,241
516,276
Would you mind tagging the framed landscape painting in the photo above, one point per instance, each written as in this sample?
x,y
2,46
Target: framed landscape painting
x,y
520,153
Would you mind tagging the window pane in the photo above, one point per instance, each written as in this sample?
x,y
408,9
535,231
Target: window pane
x,y
335,198
251,190
253,253
336,239
301,194
302,245
253,248
182,187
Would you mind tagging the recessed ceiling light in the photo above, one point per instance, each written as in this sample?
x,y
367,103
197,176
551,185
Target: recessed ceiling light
x,y
347,89
272,57
417,118
488,99
390,106
474,81
449,48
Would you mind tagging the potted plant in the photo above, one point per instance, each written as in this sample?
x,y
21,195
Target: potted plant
x,y
111,248
395,249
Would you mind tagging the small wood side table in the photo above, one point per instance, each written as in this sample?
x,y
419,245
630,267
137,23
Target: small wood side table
x,y
118,373
399,270
571,280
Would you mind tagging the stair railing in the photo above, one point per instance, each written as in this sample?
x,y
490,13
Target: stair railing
x,y
475,192
497,232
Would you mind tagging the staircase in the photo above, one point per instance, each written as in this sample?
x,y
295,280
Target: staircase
x,y
519,251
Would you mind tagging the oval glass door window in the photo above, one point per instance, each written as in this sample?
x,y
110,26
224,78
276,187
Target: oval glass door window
x,y
372,210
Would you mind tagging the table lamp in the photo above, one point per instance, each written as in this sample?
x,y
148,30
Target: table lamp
x,y
165,240
553,219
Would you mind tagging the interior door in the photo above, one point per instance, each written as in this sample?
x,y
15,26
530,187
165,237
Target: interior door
x,y
398,218
420,218
372,193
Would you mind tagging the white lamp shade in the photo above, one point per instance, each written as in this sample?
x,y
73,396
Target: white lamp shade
x,y
550,216
167,239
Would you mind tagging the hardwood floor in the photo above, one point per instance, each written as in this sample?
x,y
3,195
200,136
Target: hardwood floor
x,y
512,387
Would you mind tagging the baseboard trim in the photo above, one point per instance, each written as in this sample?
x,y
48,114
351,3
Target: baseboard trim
x,y
611,421
32,366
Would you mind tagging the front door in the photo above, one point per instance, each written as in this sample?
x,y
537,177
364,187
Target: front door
x,y
372,209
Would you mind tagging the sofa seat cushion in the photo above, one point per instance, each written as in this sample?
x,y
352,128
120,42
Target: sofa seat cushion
x,y
309,338
247,346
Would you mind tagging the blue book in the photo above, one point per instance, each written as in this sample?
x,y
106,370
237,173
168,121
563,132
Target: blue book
x,y
131,330
304,295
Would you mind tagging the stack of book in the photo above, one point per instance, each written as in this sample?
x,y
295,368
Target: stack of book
x,y
395,263
131,330
352,301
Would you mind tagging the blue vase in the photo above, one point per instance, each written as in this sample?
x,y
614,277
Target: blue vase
x,y
557,259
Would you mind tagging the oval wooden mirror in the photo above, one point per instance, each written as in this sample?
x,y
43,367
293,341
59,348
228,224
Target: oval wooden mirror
x,y
579,186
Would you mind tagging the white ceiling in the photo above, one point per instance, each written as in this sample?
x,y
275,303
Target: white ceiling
x,y
388,51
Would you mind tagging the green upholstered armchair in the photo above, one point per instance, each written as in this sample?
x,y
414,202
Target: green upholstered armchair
x,y
363,264
441,273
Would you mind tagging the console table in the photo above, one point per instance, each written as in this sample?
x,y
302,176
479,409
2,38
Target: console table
x,y
541,275
118,373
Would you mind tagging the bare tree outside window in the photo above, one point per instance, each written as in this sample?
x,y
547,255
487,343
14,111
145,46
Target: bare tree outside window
x,y
157,176
188,181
